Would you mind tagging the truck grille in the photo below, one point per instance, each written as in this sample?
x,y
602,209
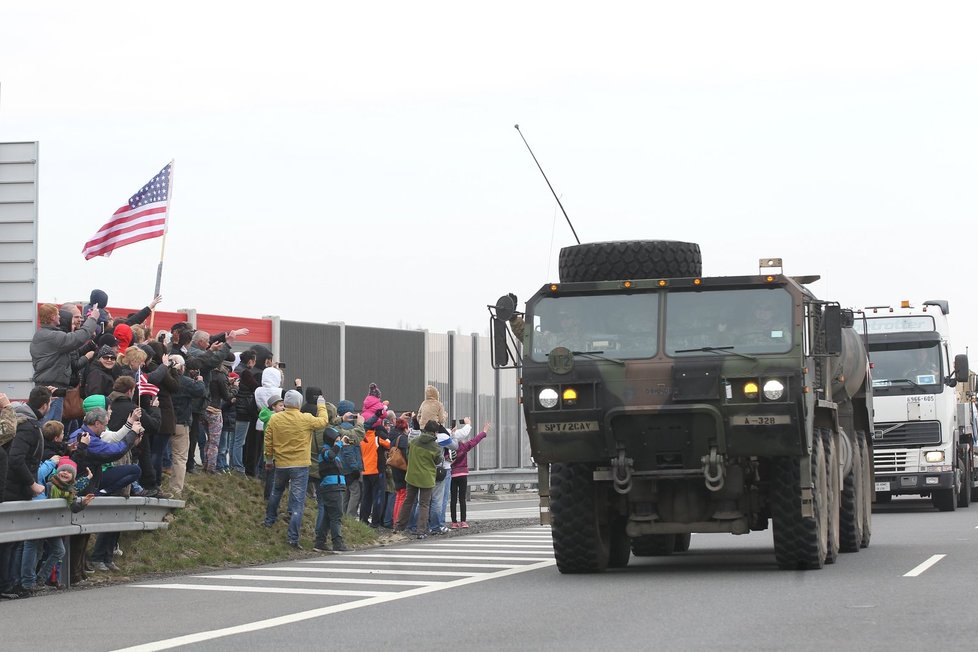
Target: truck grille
x,y
910,433
890,461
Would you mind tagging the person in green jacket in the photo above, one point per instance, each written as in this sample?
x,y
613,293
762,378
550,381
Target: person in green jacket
x,y
424,454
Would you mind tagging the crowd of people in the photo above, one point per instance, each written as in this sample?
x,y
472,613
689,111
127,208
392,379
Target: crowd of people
x,y
117,411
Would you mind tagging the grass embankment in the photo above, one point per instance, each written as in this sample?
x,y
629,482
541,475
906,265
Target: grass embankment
x,y
221,526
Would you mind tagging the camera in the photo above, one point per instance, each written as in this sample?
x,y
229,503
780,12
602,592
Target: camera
x,y
281,365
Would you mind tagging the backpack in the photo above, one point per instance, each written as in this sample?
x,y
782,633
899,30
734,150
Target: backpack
x,y
348,460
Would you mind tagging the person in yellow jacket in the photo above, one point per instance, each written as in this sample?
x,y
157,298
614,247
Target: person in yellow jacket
x,y
288,437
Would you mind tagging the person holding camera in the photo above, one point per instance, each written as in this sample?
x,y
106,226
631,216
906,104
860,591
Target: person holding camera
x,y
191,388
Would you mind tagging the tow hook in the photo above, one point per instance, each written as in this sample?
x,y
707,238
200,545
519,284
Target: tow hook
x,y
713,470
622,472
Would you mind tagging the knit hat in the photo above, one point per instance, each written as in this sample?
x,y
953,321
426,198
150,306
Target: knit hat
x,y
345,406
293,399
107,339
67,464
275,399
106,351
123,333
99,297
374,390
93,401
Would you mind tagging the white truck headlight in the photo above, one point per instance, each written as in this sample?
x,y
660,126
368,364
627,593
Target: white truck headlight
x,y
934,456
548,397
773,390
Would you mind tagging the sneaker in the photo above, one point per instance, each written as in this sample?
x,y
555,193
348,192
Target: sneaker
x,y
150,493
164,495
320,547
295,544
422,536
454,525
8,594
340,547
112,567
100,567
463,524
23,591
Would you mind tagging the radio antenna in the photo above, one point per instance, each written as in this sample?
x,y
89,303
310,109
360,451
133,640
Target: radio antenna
x,y
548,184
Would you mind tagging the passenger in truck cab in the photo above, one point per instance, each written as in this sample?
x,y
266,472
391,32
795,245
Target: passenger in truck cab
x,y
924,368
764,325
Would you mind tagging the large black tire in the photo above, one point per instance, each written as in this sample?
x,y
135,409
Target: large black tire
x,y
799,542
683,541
964,495
629,259
654,545
945,500
581,543
867,460
852,503
833,500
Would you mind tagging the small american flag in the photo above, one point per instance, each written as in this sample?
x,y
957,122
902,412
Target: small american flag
x,y
142,218
146,387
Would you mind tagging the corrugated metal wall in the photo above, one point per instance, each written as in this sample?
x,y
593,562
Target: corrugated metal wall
x,y
394,359
312,352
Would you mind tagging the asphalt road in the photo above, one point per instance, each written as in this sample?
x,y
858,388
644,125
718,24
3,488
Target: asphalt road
x,y
500,591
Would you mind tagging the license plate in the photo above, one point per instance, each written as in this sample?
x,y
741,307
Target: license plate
x,y
768,420
882,486
568,426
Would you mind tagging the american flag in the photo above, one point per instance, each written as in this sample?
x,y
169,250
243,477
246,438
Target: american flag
x,y
146,387
144,217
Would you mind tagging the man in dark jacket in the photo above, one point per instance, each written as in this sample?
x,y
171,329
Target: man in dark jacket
x,y
245,412
51,353
191,388
27,447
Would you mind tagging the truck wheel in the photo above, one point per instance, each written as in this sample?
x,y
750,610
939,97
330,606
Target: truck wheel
x,y
851,504
683,541
629,259
832,481
654,545
621,545
945,500
867,482
581,543
799,542
964,495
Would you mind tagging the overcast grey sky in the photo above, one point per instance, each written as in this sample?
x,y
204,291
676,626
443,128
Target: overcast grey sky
x,y
358,162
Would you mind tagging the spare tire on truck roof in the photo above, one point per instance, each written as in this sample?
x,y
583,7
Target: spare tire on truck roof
x,y
630,259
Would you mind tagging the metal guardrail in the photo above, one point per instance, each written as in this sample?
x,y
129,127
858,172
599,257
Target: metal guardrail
x,y
492,478
27,520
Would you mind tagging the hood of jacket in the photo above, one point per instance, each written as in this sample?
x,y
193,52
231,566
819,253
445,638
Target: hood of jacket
x,y
271,378
431,392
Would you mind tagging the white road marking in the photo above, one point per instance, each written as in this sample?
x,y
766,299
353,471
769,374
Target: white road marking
x,y
369,571
488,543
461,561
407,563
262,589
323,580
199,637
924,566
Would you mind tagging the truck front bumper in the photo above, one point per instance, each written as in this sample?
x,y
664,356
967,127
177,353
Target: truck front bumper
x,y
914,483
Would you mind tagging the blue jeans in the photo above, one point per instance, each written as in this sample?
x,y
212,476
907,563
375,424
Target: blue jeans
x,y
297,477
54,412
117,477
29,574
224,445
237,446
439,499
388,520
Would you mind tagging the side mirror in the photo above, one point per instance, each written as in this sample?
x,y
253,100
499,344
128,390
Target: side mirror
x,y
961,368
500,350
832,326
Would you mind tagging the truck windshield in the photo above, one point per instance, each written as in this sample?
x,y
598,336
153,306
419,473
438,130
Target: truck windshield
x,y
735,321
906,367
619,326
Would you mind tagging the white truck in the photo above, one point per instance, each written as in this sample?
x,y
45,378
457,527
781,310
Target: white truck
x,y
919,445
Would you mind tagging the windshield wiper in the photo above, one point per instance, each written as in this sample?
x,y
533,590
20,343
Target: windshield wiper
x,y
718,350
906,380
599,354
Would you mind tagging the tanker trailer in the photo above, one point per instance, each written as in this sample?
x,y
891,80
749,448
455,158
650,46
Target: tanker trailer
x,y
660,403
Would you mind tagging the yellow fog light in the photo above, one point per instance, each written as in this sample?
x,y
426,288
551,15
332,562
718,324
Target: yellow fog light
x,y
750,389
569,396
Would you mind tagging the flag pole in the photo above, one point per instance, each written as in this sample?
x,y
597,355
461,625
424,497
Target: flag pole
x,y
166,229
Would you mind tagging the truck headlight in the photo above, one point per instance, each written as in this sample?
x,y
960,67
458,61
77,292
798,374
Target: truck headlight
x,y
934,456
773,390
548,397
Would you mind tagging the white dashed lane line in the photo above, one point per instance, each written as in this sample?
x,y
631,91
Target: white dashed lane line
x,y
917,570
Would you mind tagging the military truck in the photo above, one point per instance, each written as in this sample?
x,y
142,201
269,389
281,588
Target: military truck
x,y
661,403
